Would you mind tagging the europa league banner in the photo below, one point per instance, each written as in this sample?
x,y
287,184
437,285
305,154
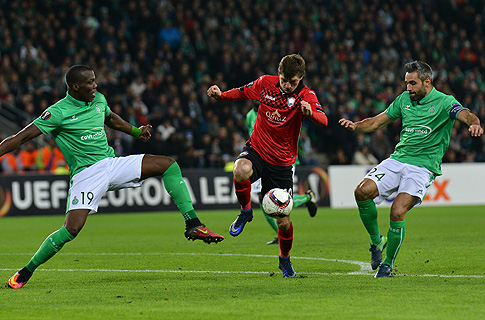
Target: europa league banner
x,y
209,189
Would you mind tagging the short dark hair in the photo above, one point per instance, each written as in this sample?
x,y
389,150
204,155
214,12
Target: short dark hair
x,y
292,65
422,68
73,75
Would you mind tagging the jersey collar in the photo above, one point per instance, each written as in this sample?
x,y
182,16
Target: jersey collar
x,y
297,90
77,103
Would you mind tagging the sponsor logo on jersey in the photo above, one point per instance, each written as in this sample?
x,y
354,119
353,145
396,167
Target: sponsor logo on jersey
x,y
418,130
275,117
46,115
92,134
73,118
270,98
408,107
291,101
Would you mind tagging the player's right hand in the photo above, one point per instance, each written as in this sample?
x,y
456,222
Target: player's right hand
x,y
347,124
145,132
214,92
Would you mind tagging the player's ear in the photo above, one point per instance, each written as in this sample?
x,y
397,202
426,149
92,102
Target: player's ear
x,y
427,82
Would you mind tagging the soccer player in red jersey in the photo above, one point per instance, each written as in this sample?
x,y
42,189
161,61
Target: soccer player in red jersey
x,y
272,148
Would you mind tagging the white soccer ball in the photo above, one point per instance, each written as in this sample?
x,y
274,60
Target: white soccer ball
x,y
277,203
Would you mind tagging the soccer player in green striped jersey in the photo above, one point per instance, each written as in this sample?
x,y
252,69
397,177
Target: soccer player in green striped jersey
x,y
77,124
427,119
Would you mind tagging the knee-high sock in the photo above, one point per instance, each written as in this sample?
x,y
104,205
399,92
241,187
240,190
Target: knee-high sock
x,y
395,237
286,241
51,245
177,189
300,199
243,193
368,215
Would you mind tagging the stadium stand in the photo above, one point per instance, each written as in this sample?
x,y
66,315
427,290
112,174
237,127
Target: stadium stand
x,y
155,60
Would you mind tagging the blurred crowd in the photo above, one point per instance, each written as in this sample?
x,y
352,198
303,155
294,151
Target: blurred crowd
x,y
154,61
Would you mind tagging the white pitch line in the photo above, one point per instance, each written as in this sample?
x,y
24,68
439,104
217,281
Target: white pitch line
x,y
365,268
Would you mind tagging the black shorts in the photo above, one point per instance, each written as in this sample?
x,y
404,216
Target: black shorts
x,y
271,176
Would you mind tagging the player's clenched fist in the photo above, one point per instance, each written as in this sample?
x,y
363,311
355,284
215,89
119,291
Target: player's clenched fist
x,y
306,108
214,92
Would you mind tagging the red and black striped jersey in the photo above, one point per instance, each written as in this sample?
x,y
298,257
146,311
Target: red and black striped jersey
x,y
279,120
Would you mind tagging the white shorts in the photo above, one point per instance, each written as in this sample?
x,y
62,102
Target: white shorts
x,y
391,175
256,185
89,186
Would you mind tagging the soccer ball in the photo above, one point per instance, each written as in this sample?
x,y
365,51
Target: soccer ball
x,y
277,203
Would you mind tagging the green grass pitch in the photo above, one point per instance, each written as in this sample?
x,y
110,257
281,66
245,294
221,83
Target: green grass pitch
x,y
140,266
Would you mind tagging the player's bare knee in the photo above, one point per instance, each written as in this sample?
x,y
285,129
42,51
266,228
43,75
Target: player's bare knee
x,y
242,169
165,162
73,230
361,195
398,214
283,223
155,165
366,190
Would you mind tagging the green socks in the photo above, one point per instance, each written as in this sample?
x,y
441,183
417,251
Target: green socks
x,y
270,220
395,237
176,188
51,245
368,215
300,199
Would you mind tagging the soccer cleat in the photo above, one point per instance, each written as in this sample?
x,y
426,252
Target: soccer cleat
x,y
238,225
287,268
13,284
202,233
376,252
384,271
275,241
312,204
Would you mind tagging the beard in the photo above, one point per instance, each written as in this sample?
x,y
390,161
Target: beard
x,y
418,95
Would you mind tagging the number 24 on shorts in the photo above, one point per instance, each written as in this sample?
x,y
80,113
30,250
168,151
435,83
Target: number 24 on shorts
x,y
379,176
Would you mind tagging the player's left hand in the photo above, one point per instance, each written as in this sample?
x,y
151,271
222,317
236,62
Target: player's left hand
x,y
145,132
475,130
306,108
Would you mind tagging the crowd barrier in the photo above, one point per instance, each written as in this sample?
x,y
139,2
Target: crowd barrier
x,y
210,189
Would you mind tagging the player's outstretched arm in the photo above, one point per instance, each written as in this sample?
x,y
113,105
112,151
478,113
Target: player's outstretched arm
x,y
115,122
367,125
472,121
12,143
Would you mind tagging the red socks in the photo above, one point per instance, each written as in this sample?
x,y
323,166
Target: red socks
x,y
286,240
243,193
